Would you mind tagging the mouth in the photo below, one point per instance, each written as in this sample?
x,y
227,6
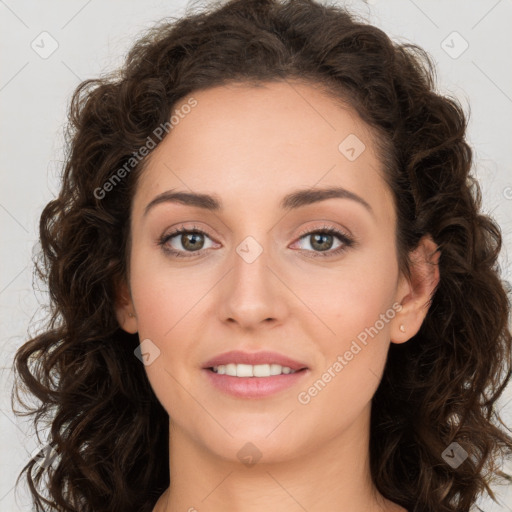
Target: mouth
x,y
253,382
263,371
237,363
253,374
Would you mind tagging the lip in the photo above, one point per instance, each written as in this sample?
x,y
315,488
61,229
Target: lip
x,y
254,358
253,387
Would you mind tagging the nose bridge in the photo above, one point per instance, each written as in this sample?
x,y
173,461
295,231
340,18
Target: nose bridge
x,y
253,293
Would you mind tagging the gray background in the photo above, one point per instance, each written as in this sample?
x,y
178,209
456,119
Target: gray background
x,y
92,37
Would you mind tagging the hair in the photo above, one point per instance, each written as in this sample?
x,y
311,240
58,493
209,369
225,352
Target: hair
x,y
104,421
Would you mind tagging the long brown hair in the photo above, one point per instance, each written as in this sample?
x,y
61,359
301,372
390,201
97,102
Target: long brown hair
x,y
105,423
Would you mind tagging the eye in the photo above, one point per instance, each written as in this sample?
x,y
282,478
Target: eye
x,y
190,240
322,241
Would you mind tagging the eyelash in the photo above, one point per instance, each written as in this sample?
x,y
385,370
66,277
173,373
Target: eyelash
x,y
343,237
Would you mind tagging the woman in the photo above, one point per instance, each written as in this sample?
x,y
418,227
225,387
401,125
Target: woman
x,y
272,285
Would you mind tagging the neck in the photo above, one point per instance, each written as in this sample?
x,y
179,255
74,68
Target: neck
x,y
334,476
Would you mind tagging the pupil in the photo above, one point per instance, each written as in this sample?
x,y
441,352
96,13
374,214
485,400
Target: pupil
x,y
320,236
192,244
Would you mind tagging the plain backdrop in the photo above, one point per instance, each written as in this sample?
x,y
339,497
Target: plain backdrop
x,y
48,47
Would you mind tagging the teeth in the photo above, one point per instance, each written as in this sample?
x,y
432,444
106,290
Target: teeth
x,y
249,370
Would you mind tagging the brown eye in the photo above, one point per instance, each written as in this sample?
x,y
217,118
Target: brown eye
x,y
323,240
192,241
183,241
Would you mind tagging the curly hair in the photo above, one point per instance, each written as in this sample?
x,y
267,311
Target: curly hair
x,y
105,423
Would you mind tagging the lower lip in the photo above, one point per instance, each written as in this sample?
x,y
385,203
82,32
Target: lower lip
x,y
254,387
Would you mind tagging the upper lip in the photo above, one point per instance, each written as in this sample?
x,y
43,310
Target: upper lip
x,y
253,358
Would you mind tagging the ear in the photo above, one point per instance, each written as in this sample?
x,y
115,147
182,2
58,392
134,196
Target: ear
x,y
414,294
125,312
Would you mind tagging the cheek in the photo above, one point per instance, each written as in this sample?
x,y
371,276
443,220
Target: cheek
x,y
351,298
355,304
164,302
164,297
354,356
169,302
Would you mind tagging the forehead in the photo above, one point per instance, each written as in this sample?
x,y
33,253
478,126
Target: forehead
x,y
241,140
268,115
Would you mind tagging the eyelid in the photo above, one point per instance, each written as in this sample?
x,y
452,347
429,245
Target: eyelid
x,y
326,228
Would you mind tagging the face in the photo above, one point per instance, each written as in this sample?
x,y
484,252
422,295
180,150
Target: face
x,y
314,278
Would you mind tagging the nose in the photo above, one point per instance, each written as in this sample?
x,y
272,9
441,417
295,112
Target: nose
x,y
253,295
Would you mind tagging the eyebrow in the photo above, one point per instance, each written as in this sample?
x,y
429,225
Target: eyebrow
x,y
292,201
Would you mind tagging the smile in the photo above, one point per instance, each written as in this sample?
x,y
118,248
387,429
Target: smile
x,y
249,370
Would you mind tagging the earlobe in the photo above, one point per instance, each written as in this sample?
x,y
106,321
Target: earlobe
x,y
125,312
415,294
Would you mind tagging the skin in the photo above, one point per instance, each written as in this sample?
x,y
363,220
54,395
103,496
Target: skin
x,y
250,147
